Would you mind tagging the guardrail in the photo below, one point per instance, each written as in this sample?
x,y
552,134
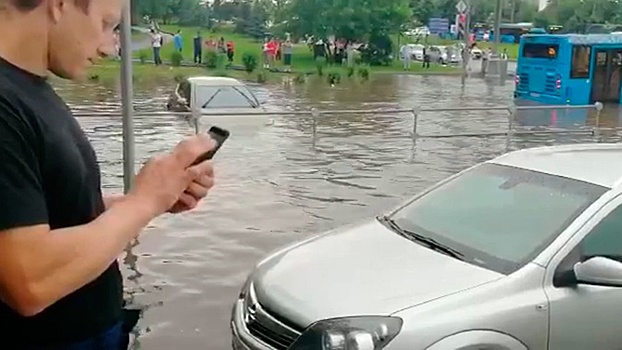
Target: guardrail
x,y
194,117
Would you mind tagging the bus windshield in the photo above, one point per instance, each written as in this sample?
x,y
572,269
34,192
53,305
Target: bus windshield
x,y
533,50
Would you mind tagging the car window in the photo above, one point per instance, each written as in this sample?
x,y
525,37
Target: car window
x,y
500,216
224,97
605,239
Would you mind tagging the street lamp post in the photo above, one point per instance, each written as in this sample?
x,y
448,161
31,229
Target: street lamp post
x,y
497,30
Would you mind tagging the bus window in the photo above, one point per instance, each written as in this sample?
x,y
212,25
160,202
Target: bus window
x,y
540,51
580,62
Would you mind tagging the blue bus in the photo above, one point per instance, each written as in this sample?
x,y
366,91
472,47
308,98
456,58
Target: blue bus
x,y
569,69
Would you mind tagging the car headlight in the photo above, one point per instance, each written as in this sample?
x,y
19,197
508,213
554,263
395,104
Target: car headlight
x,y
351,333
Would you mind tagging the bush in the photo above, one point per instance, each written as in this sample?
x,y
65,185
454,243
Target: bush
x,y
176,58
363,73
143,56
250,62
334,78
300,78
221,60
211,59
351,72
262,77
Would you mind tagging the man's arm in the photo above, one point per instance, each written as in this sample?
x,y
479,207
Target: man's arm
x,y
39,267
112,199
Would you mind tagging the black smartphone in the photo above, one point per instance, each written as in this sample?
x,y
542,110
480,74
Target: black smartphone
x,y
217,134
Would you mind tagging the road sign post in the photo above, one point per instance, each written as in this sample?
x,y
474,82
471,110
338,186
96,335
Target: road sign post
x,y
464,10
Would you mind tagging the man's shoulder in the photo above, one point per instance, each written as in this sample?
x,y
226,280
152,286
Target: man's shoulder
x,y
19,107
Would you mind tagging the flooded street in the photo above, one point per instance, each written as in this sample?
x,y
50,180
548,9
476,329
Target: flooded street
x,y
278,184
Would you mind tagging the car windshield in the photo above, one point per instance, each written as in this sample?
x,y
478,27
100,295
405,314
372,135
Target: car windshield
x,y
225,97
498,217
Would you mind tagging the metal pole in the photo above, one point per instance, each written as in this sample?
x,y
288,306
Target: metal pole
x,y
599,109
467,41
498,15
415,113
127,97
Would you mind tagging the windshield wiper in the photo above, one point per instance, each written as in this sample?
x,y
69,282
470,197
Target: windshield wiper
x,y
211,99
429,242
253,104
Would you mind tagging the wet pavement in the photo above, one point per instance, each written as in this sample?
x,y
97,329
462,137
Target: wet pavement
x,y
278,184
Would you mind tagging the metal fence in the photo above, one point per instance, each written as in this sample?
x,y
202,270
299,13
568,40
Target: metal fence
x,y
512,112
316,115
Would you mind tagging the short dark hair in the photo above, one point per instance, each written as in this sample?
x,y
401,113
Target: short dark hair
x,y
27,5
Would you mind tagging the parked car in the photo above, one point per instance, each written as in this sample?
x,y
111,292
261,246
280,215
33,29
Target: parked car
x,y
416,51
437,54
515,253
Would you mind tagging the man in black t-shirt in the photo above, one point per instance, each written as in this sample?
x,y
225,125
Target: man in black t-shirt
x,y
60,284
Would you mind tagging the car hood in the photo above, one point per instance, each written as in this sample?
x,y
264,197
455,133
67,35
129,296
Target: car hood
x,y
366,270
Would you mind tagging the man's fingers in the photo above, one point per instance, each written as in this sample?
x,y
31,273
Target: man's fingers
x,y
198,190
188,150
203,169
188,201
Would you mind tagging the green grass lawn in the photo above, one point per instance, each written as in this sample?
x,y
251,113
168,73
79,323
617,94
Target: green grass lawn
x,y
109,71
302,58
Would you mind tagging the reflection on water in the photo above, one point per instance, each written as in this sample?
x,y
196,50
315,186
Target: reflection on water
x,y
277,184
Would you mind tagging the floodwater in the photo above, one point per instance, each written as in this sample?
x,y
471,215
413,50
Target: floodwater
x,y
277,184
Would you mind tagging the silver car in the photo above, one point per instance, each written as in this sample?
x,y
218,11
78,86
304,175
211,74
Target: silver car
x,y
520,252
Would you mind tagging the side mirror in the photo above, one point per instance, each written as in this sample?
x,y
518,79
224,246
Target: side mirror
x,y
599,271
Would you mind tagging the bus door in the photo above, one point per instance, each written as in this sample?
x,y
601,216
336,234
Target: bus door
x,y
607,74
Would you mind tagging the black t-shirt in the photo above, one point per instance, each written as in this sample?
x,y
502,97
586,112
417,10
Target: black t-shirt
x,y
49,174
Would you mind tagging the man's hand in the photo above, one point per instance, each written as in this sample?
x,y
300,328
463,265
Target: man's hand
x,y
195,192
165,179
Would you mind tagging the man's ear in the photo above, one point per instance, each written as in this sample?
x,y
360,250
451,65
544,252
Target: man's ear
x,y
56,9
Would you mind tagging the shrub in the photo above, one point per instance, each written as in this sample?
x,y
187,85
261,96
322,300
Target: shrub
x,y
334,77
300,78
262,76
143,56
363,72
351,72
250,62
211,59
176,59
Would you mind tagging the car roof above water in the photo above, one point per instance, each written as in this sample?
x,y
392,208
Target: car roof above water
x,y
600,164
214,81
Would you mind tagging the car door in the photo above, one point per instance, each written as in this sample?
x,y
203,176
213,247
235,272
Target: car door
x,y
587,316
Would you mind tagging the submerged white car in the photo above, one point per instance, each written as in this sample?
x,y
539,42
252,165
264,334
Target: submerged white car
x,y
220,99
520,252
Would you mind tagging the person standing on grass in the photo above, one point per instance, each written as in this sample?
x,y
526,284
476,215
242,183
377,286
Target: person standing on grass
x,y
265,49
156,44
288,50
60,237
178,42
198,48
230,51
